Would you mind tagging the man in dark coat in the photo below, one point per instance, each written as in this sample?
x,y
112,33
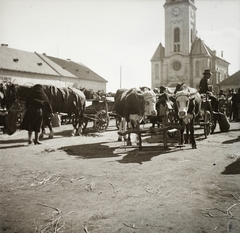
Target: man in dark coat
x,y
36,103
203,85
236,105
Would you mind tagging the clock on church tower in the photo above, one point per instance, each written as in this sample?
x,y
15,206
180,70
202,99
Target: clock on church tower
x,y
180,26
176,11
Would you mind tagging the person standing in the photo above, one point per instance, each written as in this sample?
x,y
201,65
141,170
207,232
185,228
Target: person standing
x,y
236,105
36,103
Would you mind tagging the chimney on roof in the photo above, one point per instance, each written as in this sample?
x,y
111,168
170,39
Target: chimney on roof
x,y
44,54
221,53
68,59
6,45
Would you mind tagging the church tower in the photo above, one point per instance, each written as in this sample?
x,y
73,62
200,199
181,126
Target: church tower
x,y
180,26
184,56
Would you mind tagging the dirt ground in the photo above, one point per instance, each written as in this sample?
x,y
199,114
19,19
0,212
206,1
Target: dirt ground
x,y
94,184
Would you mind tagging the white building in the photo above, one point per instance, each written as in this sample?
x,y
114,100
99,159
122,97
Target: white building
x,y
185,56
29,68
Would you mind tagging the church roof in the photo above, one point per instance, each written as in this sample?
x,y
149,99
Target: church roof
x,y
159,53
77,69
32,62
199,48
232,80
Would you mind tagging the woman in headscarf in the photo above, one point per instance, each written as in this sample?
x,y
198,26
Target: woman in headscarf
x,y
37,103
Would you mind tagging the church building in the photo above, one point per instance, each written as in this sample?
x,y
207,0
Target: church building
x,y
185,56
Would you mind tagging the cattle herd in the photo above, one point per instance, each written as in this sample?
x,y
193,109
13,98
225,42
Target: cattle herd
x,y
180,105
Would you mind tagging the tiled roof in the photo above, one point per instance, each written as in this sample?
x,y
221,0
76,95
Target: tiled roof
x,y
79,70
232,80
56,67
22,61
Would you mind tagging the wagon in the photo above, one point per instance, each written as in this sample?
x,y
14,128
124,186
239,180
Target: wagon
x,y
207,120
98,111
168,127
213,116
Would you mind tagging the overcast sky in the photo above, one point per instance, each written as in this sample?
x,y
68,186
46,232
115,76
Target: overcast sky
x,y
108,34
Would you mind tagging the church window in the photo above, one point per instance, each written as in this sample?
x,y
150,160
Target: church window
x,y
156,71
176,40
177,65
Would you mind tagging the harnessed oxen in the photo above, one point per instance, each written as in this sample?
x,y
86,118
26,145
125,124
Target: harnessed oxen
x,y
188,104
63,100
133,105
164,107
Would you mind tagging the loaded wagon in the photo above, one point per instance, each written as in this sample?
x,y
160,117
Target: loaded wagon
x,y
98,111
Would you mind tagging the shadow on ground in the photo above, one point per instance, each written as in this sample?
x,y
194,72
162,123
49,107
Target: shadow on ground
x,y
13,143
232,141
90,151
146,154
232,169
125,154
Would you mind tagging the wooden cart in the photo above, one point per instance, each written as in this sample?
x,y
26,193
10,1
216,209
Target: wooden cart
x,y
167,128
97,111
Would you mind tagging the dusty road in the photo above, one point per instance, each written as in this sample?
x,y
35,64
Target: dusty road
x,y
94,184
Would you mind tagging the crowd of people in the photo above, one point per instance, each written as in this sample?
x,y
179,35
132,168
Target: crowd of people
x,y
37,101
232,97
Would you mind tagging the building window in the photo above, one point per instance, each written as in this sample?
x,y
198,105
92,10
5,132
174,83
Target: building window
x,y
177,65
156,71
176,40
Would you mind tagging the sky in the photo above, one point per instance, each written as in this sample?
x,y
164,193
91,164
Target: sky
x,y
114,38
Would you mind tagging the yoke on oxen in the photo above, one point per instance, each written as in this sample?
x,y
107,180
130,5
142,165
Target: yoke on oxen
x,y
165,118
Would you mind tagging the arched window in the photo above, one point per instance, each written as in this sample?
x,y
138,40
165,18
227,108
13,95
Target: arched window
x,y
176,40
156,71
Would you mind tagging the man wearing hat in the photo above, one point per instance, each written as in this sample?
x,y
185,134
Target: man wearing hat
x,y
204,88
203,85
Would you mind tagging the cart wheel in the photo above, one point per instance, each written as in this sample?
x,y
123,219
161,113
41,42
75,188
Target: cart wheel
x,y
207,123
102,121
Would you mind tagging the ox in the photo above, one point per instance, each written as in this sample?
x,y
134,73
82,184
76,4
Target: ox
x,y
164,107
133,105
188,104
63,100
67,100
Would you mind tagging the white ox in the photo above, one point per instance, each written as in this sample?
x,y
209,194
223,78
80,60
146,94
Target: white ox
x,y
133,105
